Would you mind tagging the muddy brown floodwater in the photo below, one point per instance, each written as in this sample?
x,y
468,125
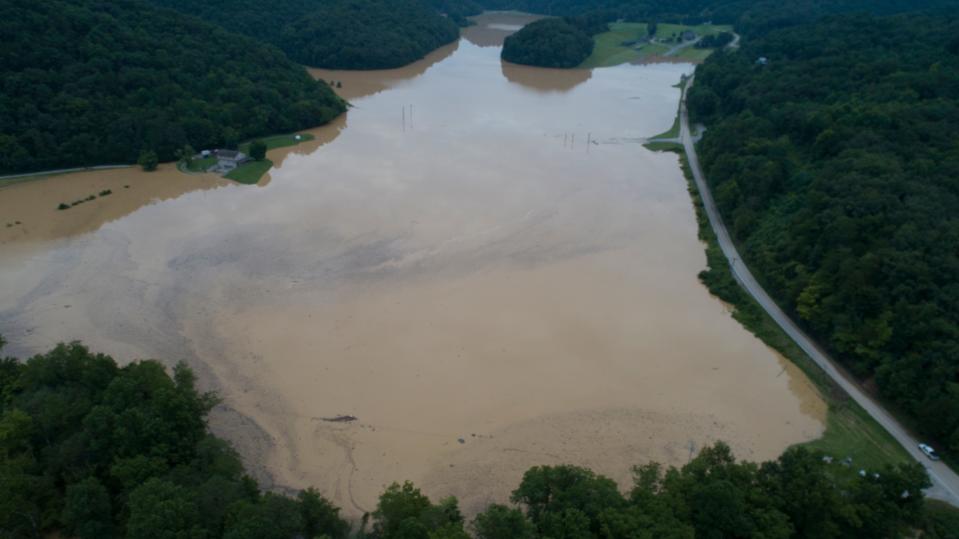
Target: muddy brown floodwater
x,y
486,269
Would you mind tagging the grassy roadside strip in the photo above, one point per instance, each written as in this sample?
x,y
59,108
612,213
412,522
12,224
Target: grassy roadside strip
x,y
6,181
672,132
657,143
850,431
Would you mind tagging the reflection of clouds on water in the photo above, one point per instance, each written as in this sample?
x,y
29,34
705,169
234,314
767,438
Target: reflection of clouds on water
x,y
545,80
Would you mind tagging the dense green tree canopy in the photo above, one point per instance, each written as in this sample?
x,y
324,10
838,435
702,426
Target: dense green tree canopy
x,y
88,82
340,34
251,18
99,451
548,43
714,496
752,17
835,167
458,10
367,34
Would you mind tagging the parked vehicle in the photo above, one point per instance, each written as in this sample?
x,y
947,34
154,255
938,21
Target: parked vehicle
x,y
929,452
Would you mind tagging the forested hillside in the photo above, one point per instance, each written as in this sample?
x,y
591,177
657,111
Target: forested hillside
x,y
96,451
93,451
458,10
548,43
339,34
367,34
752,17
248,17
88,82
836,166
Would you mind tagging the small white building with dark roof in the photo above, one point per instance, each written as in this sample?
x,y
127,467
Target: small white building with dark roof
x,y
227,160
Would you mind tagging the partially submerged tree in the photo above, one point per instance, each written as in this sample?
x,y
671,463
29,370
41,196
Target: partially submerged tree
x,y
148,160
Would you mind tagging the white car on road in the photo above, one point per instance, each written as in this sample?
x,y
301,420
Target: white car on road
x,y
929,452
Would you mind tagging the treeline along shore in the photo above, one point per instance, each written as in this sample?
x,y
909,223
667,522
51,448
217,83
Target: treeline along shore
x,y
92,450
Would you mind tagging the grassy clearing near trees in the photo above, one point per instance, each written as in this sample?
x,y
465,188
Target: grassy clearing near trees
x,y
672,132
250,173
694,54
941,520
200,165
657,143
666,30
617,45
279,141
608,48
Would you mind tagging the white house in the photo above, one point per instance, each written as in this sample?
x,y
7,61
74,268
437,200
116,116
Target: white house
x,y
227,160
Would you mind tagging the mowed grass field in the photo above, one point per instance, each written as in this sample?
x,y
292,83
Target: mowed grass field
x,y
250,173
279,141
619,45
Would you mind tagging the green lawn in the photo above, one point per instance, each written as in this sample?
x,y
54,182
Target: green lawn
x,y
693,54
279,141
666,30
660,146
941,519
250,173
850,431
200,165
673,131
609,48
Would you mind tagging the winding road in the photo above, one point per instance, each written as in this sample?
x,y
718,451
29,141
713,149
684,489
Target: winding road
x,y
945,482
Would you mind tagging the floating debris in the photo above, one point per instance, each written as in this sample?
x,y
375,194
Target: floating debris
x,y
339,419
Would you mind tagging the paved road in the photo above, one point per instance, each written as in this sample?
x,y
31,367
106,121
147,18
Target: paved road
x,y
734,44
945,483
61,171
681,46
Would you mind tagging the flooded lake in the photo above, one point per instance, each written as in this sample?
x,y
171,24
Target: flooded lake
x,y
480,262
